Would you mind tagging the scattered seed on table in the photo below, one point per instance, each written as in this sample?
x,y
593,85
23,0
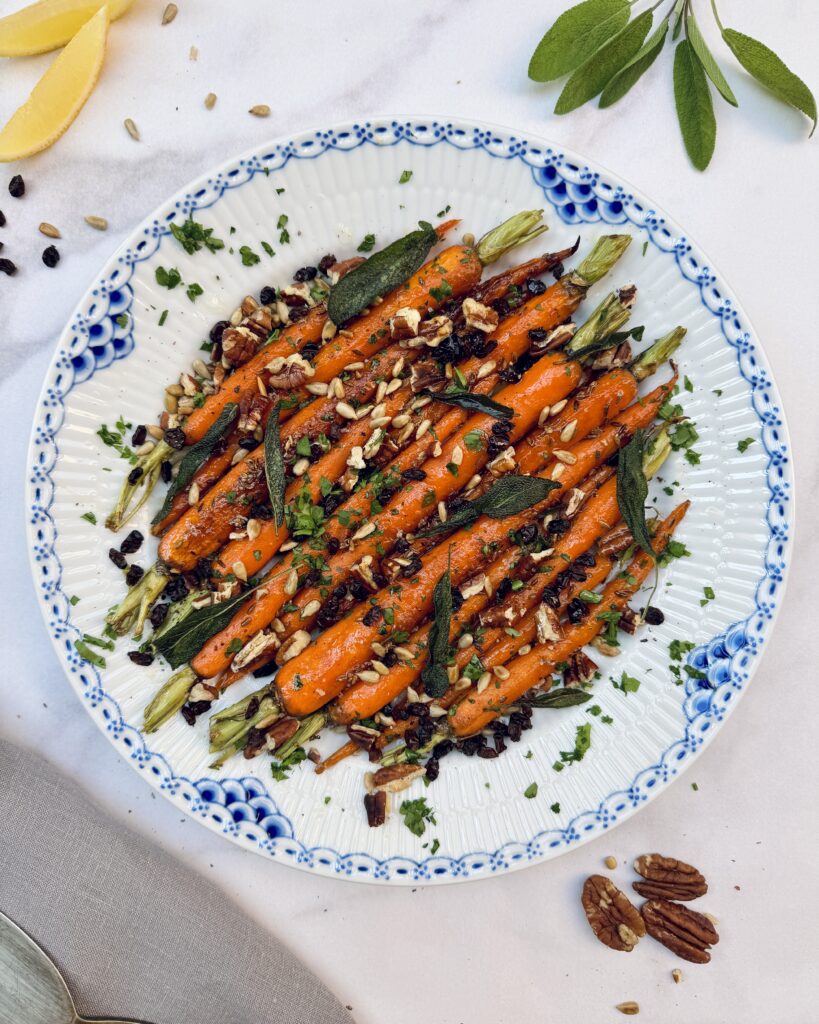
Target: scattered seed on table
x,y
49,230
194,53
260,110
98,223
17,187
51,256
7,267
132,129
169,14
210,101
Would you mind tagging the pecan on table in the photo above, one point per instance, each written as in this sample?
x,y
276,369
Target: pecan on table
x,y
668,878
685,932
612,916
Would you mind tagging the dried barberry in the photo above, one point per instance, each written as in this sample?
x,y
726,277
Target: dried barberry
x,y
132,543
141,657
134,575
17,187
51,256
117,558
175,437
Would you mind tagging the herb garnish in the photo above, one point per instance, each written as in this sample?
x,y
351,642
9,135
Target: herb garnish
x,y
563,697
632,490
626,683
249,257
192,236
116,439
416,814
196,455
605,54
89,517
274,466
582,743
167,278
472,403
434,675
87,654
405,177
280,769
745,444
508,496
367,244
193,291
531,791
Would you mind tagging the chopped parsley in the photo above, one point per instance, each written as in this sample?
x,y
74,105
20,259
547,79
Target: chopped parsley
x,y
122,320
116,439
555,808
73,600
192,236
193,291
582,743
167,278
163,317
435,847
443,290
367,244
474,440
626,683
279,769
249,257
709,596
745,444
89,517
234,646
284,234
405,177
303,447
268,248
416,814
531,791
687,384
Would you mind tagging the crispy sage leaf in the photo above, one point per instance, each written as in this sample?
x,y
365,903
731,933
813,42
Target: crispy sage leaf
x,y
274,466
509,496
434,674
695,110
632,490
712,69
196,455
379,274
596,71
560,698
472,403
184,640
761,62
575,35
635,69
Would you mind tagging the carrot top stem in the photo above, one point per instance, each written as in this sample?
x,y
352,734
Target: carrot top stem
x,y
606,251
169,699
140,489
307,730
134,607
647,362
229,727
517,230
609,317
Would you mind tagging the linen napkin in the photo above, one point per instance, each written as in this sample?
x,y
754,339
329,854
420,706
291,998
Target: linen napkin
x,y
135,933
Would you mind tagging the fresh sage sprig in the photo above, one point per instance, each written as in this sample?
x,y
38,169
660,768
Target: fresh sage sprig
x,y
563,697
274,466
472,402
434,674
196,455
509,496
632,490
605,52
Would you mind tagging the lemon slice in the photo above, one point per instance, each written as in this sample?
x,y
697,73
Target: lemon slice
x,y
59,95
50,24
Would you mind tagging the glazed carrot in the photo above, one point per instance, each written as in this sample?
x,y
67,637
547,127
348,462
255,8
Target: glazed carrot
x,y
551,377
587,409
313,677
475,711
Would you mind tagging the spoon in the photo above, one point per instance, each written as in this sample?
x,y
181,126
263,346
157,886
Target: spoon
x,y
31,987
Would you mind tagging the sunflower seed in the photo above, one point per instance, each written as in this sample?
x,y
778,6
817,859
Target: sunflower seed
x,y
367,676
544,415
310,609
380,668
442,511
239,571
483,682
260,110
567,433
423,427
364,531
569,458
398,367
558,471
316,389
193,53
238,455
466,641
291,584
402,654
300,467
169,14
401,421
49,230
486,369
501,672
98,223
132,129
457,455
559,406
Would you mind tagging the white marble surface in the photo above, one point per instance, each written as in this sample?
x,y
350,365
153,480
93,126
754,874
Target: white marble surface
x,y
514,948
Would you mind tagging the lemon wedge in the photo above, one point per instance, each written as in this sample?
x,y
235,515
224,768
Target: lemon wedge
x,y
59,95
50,24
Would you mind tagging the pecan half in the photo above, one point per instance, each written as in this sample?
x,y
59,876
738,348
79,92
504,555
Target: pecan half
x,y
238,345
685,932
613,917
579,669
397,777
376,807
668,878
283,730
479,317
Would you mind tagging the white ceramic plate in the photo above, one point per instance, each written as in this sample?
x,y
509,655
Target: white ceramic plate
x,y
338,185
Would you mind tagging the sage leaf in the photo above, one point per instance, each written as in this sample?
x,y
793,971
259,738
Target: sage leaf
x,y
561,698
274,466
434,674
185,639
695,111
596,71
383,271
472,403
764,65
632,490
712,69
196,455
677,14
509,496
628,76
575,35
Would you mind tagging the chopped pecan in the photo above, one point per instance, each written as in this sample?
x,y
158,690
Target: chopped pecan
x,y
397,777
433,331
363,735
668,878
629,621
556,338
291,376
376,807
280,732
427,376
613,357
238,345
579,669
685,932
343,267
548,624
615,541
612,916
260,322
259,644
479,317
504,463
294,646
604,647
404,324
252,409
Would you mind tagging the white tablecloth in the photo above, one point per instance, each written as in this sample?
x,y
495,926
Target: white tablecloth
x,y
515,948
